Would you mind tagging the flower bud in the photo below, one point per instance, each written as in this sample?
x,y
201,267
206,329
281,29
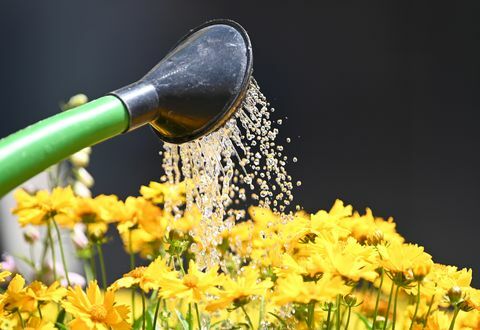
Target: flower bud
x,y
80,159
350,300
79,238
84,177
31,234
81,190
77,100
75,280
455,294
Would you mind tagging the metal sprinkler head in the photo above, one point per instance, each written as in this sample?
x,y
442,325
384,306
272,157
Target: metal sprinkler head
x,y
196,87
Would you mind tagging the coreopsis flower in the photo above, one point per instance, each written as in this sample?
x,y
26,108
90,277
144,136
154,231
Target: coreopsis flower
x,y
137,211
192,287
94,310
293,288
97,213
36,323
43,294
408,260
239,290
39,208
161,193
16,297
143,277
367,228
347,259
331,224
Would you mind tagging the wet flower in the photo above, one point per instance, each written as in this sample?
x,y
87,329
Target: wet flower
x,y
192,287
92,310
240,289
143,277
159,193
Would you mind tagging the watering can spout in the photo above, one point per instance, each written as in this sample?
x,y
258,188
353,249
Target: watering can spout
x,y
191,92
196,87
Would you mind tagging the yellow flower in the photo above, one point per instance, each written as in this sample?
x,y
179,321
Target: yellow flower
x,y
160,193
41,293
35,323
143,277
94,310
137,211
192,287
16,297
365,227
96,213
347,258
408,260
332,224
293,288
37,209
240,289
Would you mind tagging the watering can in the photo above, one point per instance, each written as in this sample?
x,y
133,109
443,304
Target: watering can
x,y
191,92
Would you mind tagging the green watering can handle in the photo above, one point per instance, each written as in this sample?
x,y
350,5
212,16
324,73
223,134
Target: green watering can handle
x,y
35,148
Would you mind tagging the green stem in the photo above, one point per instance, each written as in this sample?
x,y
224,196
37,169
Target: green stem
x,y
348,317
102,265
62,252
92,263
261,313
329,315
40,311
416,306
22,322
388,306
338,313
394,319
199,320
144,316
32,257
156,314
455,314
52,249
311,315
190,317
132,267
377,301
428,312
248,317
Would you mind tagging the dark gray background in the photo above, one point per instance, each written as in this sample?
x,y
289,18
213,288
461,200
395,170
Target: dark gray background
x,y
382,97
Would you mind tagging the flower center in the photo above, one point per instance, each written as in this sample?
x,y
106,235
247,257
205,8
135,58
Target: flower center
x,y
98,313
190,281
138,272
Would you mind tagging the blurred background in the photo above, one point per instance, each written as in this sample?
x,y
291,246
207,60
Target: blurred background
x,y
381,98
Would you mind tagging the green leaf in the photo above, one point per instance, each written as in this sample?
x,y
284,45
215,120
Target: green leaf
x,y
365,321
60,326
61,317
282,322
182,320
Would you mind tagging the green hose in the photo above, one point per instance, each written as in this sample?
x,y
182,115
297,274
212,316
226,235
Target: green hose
x,y
35,148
